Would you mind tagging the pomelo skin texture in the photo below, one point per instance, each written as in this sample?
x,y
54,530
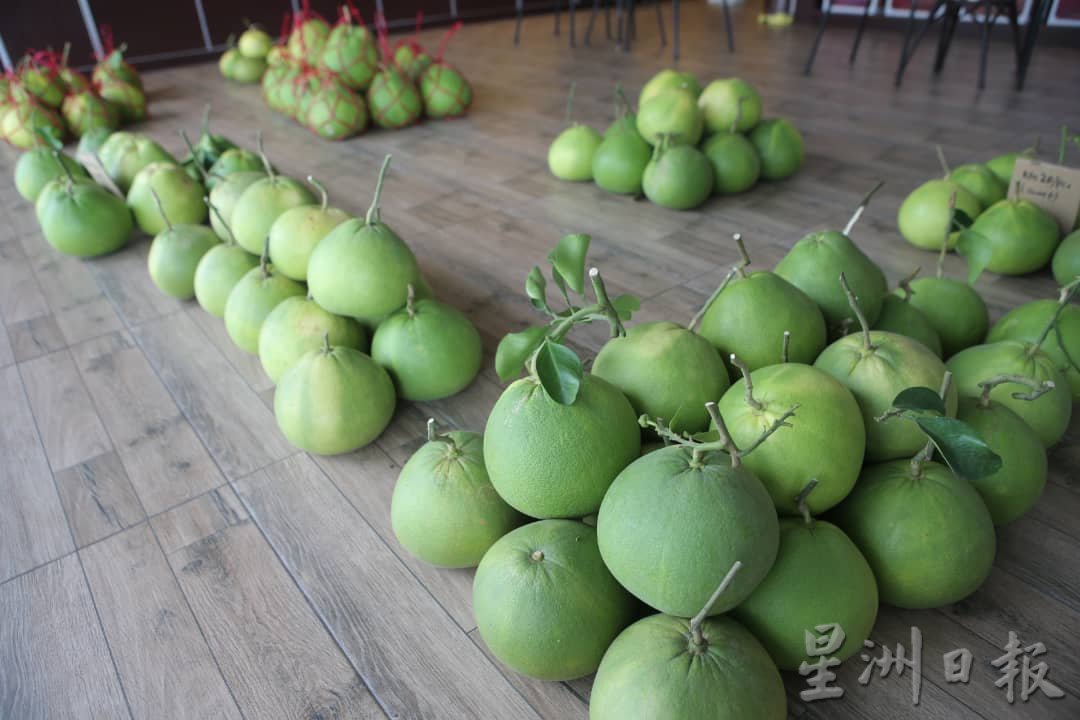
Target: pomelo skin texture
x,y
297,325
954,309
1021,236
38,166
1066,262
901,317
217,274
545,604
720,103
924,215
175,254
925,532
444,510
665,371
670,524
124,154
819,578
181,198
653,671
430,349
780,147
570,156
814,264
672,113
668,79
876,376
224,196
1062,344
826,440
82,218
334,401
550,460
251,300
1017,486
679,178
261,203
295,234
618,164
1048,415
981,182
1002,166
750,316
736,165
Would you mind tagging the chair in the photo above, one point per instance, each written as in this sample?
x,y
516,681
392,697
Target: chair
x,y
826,12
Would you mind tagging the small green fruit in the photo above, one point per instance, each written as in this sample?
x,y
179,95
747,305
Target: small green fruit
x,y
570,156
224,195
672,113
218,272
981,182
297,325
38,166
1002,166
295,234
1026,324
255,43
669,80
233,160
722,101
181,197
902,318
250,302
954,309
124,154
175,254
618,164
923,217
678,177
1066,263
1019,236
261,203
81,218
736,165
780,147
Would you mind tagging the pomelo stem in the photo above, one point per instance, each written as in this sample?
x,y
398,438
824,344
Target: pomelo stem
x,y
326,343
264,259
749,383
431,429
213,209
800,501
160,208
410,298
63,166
697,620
602,300
322,191
64,55
537,555
262,155
941,159
1038,389
786,347
862,208
712,298
570,101
191,149
905,284
725,442
206,119
1064,144
924,456
1067,293
948,231
738,115
743,255
854,303
373,215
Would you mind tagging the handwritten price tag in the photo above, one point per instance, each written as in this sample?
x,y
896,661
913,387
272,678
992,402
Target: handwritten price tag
x,y
1054,188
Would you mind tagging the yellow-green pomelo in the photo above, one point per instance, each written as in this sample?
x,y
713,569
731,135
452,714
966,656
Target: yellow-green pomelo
x,y
923,217
1027,322
1002,166
181,198
223,198
218,272
251,300
445,510
736,165
124,154
668,79
1047,415
1066,262
901,317
550,460
260,204
826,440
297,325
255,43
334,400
1019,236
570,156
925,532
875,375
655,671
954,309
981,182
666,372
673,113
295,234
81,218
618,164
430,349
819,578
678,177
724,100
174,256
671,522
37,166
545,604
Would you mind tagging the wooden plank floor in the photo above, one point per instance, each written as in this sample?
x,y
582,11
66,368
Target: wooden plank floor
x,y
165,553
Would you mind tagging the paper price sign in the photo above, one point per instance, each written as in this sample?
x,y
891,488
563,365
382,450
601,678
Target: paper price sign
x,y
1054,188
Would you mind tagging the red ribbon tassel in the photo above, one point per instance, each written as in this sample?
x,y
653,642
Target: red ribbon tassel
x,y
446,40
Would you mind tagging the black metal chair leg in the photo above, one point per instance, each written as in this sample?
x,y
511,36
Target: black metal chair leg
x,y
911,44
592,19
1039,15
628,24
571,10
948,29
631,24
520,7
1014,23
607,20
858,33
557,15
989,18
675,30
620,10
660,24
826,10
727,27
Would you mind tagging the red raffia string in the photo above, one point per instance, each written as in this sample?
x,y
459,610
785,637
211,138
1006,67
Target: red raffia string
x,y
419,22
107,39
446,40
355,13
286,21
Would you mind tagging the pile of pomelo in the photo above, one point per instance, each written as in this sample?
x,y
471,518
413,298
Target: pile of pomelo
x,y
1009,237
682,145
333,80
680,516
334,305
245,62
44,98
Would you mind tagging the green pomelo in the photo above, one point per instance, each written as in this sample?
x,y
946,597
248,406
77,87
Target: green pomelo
x,y
724,100
233,160
335,400
1027,322
623,123
570,156
545,604
227,63
1066,262
618,164
668,79
780,147
351,54
954,309
295,234
1002,166
902,318
752,313
38,166
814,265
73,80
224,196
175,254
261,203
430,349
655,671
1016,487
124,154
671,113
925,532
128,99
819,578
679,177
445,91
295,326
83,111
924,215
671,522
181,198
393,100
736,165
552,460
218,272
82,218
981,182
336,112
875,375
247,71
43,83
308,39
445,510
1019,237
1049,415
91,142
826,438
114,67
18,123
251,300
666,372
255,43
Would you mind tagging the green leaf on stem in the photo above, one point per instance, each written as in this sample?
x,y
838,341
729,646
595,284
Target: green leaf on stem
x,y
536,289
920,399
515,349
560,372
626,306
977,250
960,446
568,261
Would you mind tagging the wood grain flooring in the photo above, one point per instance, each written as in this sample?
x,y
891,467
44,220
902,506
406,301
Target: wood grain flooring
x,y
164,552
